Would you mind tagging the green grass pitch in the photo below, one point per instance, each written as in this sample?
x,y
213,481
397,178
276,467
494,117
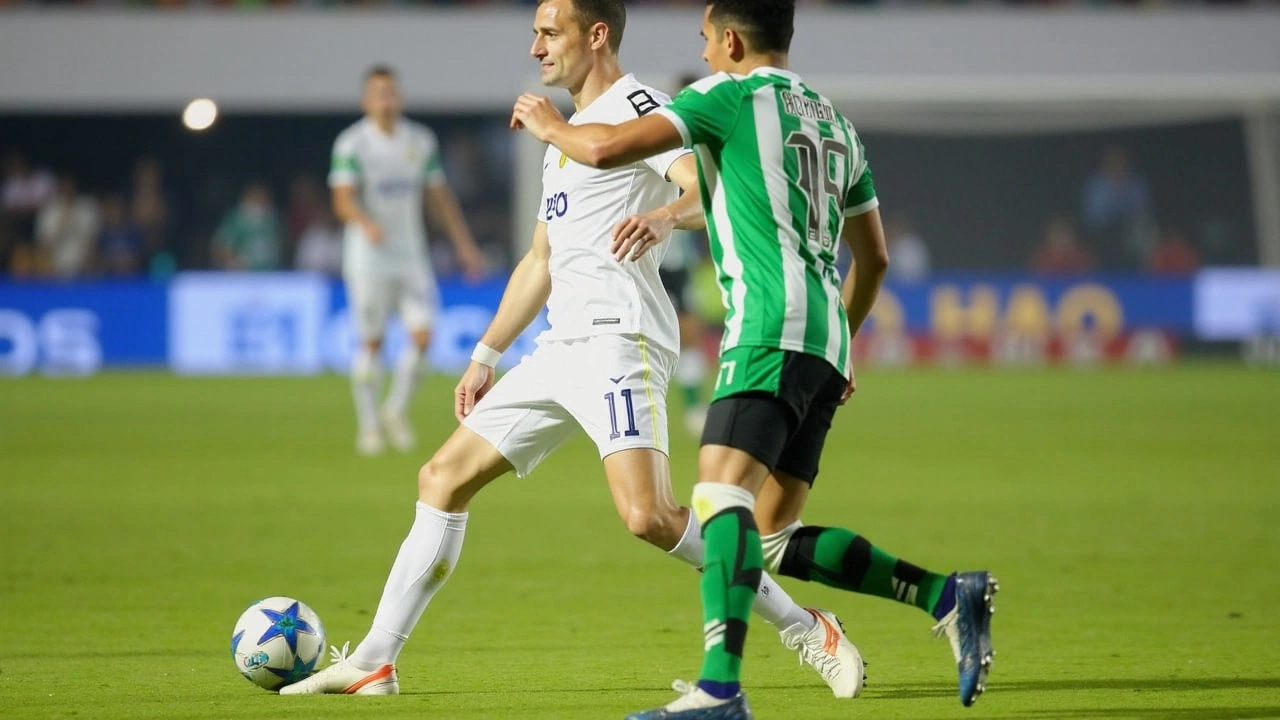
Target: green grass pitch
x,y
1133,518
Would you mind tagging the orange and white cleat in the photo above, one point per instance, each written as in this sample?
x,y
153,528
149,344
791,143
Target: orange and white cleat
x,y
343,678
825,648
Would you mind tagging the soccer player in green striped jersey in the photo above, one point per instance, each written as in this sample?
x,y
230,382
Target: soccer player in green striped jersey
x,y
783,177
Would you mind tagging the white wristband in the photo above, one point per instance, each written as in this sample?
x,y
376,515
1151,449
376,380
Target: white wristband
x,y
486,355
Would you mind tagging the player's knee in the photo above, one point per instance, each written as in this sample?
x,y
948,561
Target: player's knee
x,y
438,482
640,522
654,526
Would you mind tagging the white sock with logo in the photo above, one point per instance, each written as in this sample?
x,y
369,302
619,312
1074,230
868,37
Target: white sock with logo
x,y
773,604
426,559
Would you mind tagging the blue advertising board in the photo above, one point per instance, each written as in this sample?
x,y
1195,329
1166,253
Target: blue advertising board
x,y
976,304
75,329
294,323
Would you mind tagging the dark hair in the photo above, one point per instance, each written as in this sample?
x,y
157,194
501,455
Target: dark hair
x,y
380,70
766,25
613,13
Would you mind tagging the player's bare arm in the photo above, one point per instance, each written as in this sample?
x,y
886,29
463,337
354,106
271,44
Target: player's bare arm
x,y
865,237
524,297
347,209
444,209
596,145
635,236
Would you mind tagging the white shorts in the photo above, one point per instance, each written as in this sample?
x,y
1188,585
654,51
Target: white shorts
x,y
614,387
372,298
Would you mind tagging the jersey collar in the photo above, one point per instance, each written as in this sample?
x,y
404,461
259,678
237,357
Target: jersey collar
x,y
767,70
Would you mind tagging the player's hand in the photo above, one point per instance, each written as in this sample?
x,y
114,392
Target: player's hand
x,y
475,383
535,113
638,234
852,387
373,231
472,262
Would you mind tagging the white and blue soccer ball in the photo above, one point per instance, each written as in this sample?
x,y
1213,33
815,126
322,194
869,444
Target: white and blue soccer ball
x,y
277,641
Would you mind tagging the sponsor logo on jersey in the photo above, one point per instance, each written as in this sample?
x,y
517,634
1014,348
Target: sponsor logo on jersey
x,y
563,159
395,186
557,206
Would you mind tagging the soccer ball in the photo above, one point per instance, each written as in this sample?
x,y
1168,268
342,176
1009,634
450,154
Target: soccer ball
x,y
277,642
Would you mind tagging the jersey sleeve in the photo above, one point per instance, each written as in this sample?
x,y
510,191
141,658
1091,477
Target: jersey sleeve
x,y
432,165
706,111
344,169
662,162
861,197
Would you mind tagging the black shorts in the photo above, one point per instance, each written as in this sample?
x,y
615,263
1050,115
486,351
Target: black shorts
x,y
785,429
676,283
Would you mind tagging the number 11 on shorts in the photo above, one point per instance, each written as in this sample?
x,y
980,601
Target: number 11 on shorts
x,y
613,415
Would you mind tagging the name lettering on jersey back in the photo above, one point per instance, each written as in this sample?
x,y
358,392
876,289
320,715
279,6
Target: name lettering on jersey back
x,y
804,107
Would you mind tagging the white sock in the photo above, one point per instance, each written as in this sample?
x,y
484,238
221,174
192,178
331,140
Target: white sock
x,y
410,366
426,559
773,604
366,381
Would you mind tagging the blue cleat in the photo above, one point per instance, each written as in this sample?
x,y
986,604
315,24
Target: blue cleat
x,y
968,627
696,704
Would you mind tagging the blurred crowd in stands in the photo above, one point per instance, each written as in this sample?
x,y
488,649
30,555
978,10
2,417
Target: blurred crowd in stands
x,y
53,228
140,221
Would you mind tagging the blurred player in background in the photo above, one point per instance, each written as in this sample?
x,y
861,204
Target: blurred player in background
x,y
383,166
676,268
785,178
602,367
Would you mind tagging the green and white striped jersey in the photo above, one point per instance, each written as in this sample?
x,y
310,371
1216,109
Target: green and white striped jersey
x,y
780,169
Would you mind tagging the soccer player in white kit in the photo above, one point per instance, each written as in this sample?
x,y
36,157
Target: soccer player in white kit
x,y
383,166
602,367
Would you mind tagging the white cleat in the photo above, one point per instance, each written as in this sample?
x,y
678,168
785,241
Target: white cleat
x,y
696,704
398,431
369,442
343,678
825,648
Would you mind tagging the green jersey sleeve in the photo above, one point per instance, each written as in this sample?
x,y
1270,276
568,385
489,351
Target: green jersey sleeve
x,y
706,111
432,165
344,169
861,197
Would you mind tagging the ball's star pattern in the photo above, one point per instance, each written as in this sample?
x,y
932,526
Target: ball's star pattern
x,y
286,624
300,670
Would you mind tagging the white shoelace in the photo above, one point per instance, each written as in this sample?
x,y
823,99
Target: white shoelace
x,y
683,687
946,627
826,663
336,656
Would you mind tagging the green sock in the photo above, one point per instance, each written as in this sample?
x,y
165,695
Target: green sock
x,y
843,559
730,577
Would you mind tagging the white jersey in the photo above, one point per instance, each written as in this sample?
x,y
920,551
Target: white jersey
x,y
591,292
389,173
